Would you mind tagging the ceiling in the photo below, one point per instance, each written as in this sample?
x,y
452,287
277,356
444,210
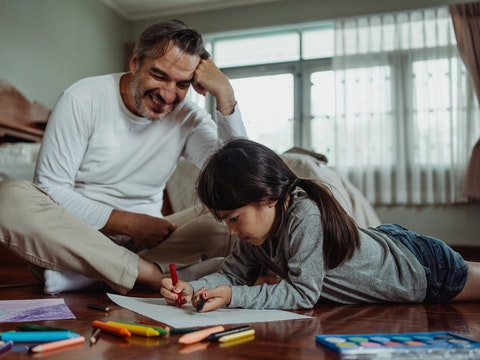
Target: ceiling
x,y
143,9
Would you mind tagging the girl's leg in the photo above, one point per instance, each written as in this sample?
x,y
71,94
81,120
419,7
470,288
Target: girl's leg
x,y
471,291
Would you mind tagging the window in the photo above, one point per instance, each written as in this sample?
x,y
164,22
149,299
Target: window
x,y
260,49
266,117
385,97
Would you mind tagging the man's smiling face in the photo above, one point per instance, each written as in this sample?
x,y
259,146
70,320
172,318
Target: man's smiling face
x,y
159,84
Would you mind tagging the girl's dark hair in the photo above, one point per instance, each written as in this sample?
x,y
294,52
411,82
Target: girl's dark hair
x,y
154,41
245,172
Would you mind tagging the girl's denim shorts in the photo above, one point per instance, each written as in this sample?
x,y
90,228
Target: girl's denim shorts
x,y
445,269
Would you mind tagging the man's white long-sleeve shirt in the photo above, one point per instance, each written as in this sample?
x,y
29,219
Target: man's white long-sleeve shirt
x,y
96,156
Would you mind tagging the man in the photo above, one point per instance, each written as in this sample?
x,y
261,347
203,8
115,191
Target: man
x,y
110,145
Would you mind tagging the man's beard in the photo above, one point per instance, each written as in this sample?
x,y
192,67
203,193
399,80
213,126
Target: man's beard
x,y
149,114
142,109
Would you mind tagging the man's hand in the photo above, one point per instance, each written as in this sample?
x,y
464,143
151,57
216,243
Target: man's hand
x,y
209,79
144,229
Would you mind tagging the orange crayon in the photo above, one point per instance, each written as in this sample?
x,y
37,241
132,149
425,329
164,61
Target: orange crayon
x,y
199,335
111,329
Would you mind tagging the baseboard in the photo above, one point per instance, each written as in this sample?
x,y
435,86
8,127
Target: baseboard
x,y
7,257
469,252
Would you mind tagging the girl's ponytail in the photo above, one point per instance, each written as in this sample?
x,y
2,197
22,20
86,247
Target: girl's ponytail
x,y
341,237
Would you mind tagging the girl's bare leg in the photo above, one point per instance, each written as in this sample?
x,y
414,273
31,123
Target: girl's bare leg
x,y
471,291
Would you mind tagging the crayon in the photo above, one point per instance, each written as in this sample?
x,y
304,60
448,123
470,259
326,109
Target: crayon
x,y
135,329
160,329
201,303
216,336
191,348
199,335
56,345
37,327
110,329
173,273
238,341
37,336
236,336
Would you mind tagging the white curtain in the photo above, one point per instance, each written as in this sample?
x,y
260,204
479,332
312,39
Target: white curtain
x,y
405,107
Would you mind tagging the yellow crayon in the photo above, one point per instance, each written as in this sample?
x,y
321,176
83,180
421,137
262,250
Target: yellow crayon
x,y
237,336
135,328
238,341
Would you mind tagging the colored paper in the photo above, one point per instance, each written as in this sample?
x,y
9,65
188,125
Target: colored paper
x,y
187,316
34,310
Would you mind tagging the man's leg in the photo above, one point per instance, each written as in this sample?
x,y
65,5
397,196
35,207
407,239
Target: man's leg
x,y
40,231
199,237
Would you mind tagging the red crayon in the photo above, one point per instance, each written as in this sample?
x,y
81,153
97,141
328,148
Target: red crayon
x,y
173,273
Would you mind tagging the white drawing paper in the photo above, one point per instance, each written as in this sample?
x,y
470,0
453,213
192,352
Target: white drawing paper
x,y
186,316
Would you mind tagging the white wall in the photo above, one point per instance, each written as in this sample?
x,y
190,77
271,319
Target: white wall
x,y
455,224
286,12
458,224
48,44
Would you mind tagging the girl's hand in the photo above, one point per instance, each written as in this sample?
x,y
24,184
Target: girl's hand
x,y
213,298
171,293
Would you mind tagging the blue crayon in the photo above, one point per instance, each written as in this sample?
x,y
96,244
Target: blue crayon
x,y
37,336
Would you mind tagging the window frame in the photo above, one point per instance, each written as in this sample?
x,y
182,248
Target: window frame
x,y
302,70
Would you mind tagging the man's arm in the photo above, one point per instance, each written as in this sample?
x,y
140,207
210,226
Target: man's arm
x,y
144,229
209,79
64,146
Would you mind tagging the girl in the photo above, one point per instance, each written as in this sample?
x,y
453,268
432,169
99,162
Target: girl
x,y
295,228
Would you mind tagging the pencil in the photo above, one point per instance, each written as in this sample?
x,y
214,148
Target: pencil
x,y
110,329
98,307
173,273
6,346
57,345
95,336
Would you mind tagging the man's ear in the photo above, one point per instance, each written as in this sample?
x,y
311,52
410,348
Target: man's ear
x,y
133,64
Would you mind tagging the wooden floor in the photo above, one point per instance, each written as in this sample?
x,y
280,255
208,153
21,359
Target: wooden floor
x,y
282,340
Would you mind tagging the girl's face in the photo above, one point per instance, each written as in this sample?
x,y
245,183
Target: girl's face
x,y
251,223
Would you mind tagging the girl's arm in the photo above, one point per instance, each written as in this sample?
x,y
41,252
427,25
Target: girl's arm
x,y
299,254
302,280
239,268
